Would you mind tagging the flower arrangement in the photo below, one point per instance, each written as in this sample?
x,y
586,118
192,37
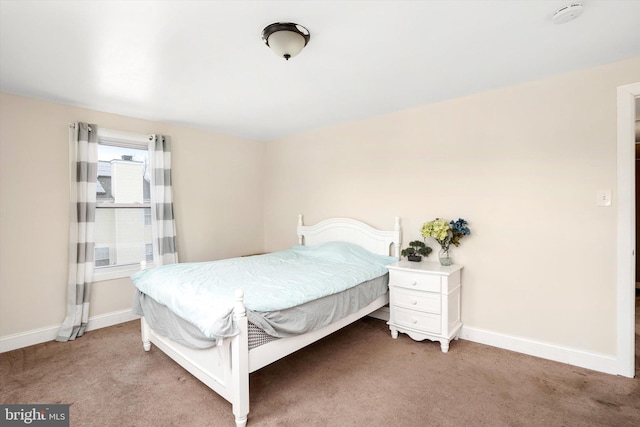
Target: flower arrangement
x,y
446,233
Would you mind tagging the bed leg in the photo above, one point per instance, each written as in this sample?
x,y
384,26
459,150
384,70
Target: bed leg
x,y
241,421
144,328
240,363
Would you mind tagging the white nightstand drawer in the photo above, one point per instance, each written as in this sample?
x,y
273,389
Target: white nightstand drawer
x,y
417,300
416,320
411,280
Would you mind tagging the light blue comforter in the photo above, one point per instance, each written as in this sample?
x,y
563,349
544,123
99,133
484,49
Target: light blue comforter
x,y
203,293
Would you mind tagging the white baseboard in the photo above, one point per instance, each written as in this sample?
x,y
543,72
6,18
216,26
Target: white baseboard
x,y
595,361
37,336
110,319
576,357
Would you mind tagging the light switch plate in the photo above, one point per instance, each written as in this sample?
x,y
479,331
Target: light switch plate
x,y
603,198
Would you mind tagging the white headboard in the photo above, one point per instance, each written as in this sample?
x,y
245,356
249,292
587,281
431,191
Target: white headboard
x,y
353,231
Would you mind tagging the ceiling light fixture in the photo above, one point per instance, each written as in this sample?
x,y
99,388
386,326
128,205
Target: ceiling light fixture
x,y
286,39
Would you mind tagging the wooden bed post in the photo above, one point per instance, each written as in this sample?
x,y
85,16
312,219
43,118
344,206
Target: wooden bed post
x,y
145,329
300,224
240,363
397,244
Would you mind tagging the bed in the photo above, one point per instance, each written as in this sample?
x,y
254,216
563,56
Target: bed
x,y
226,362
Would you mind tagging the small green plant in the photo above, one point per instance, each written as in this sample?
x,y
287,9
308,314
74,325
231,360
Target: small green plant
x,y
416,251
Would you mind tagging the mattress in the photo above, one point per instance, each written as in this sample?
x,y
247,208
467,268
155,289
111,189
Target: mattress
x,y
203,293
266,326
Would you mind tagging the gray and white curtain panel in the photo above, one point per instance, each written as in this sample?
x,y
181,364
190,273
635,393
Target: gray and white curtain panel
x,y
162,221
83,160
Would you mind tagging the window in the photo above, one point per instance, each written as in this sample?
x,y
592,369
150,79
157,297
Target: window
x,y
123,236
101,257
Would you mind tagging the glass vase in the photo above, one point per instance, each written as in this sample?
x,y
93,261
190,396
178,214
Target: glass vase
x,y
445,258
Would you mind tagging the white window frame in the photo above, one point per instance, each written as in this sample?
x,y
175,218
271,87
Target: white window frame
x,y
126,140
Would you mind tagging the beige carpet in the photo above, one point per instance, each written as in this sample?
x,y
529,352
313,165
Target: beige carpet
x,y
358,376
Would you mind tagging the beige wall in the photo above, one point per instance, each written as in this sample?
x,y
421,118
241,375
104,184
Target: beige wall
x,y
522,164
218,206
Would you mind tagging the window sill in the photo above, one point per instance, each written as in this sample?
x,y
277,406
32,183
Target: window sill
x,y
101,274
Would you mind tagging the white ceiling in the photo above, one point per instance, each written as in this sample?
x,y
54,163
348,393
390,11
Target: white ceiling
x,y
203,64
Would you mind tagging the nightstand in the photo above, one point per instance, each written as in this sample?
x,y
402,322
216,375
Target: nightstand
x,y
424,301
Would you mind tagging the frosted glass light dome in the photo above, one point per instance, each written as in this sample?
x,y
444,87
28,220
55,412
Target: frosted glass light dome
x,y
286,39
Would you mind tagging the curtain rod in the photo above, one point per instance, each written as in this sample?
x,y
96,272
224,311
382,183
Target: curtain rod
x,y
109,133
73,126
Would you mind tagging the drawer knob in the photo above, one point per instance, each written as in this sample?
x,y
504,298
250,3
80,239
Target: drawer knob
x,y
414,302
414,283
414,321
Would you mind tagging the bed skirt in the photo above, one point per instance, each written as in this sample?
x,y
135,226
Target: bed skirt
x,y
268,326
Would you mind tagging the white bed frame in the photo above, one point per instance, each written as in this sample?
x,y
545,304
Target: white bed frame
x,y
225,368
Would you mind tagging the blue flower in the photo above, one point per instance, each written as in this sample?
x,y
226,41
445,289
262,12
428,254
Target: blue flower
x,y
460,226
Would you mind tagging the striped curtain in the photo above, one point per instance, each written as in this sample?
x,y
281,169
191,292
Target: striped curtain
x,y
162,221
83,160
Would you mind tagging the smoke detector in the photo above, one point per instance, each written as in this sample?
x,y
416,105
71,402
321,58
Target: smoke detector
x,y
567,13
